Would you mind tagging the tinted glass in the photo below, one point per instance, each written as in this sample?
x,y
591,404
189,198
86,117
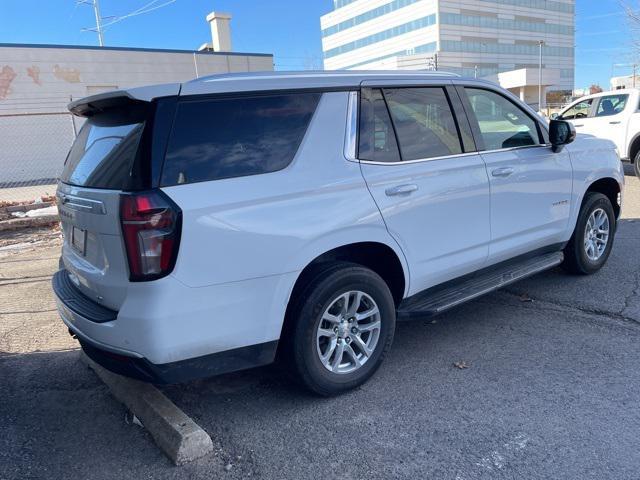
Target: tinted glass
x,y
502,124
234,137
579,110
611,105
423,122
103,153
377,140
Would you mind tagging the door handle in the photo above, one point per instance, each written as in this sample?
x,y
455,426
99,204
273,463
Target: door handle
x,y
401,189
502,172
615,123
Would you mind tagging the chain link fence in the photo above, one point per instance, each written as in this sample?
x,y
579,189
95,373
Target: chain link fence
x,y
33,147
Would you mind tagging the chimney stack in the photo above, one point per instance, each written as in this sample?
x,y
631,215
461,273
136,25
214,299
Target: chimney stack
x,y
220,31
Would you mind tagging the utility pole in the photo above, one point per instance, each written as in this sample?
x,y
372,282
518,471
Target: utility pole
x,y
99,29
540,44
96,10
635,67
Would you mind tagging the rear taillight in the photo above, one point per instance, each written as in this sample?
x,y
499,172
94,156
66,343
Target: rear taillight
x,y
151,225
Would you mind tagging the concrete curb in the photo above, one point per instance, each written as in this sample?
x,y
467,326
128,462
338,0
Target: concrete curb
x,y
179,437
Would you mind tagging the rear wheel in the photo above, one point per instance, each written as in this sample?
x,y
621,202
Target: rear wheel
x,y
341,327
636,164
592,239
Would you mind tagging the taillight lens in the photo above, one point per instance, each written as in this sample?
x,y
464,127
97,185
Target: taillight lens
x,y
151,228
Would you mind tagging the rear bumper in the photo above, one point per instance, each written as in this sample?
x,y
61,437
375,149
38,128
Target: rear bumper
x,y
78,303
105,335
184,370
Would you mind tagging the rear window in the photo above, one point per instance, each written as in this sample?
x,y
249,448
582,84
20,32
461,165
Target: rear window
x,y
104,151
231,137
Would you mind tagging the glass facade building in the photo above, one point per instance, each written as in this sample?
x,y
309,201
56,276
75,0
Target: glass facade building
x,y
470,37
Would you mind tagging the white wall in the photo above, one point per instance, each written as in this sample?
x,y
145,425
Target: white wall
x,y
37,80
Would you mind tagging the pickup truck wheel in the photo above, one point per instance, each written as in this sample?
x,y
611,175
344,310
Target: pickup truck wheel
x,y
592,239
636,164
342,326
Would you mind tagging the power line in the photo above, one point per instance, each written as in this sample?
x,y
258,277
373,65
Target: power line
x,y
111,20
149,7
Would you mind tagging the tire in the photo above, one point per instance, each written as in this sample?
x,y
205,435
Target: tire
x,y
636,164
581,256
324,298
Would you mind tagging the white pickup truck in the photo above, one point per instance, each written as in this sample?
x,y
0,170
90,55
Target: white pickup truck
x,y
612,115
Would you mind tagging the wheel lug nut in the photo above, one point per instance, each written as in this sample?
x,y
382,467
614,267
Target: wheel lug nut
x,y
354,330
348,339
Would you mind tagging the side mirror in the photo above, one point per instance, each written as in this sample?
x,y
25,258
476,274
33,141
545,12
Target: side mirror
x,y
554,115
561,133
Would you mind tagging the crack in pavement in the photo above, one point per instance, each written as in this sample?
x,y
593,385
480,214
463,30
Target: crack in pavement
x,y
23,282
634,293
29,311
577,309
27,277
5,334
29,260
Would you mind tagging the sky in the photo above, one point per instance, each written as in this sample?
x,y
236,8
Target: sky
x,y
290,29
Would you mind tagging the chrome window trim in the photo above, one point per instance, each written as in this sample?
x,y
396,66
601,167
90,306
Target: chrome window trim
x,y
445,157
420,160
351,137
523,147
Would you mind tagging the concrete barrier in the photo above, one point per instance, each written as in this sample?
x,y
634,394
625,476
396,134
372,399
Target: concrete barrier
x,y
177,435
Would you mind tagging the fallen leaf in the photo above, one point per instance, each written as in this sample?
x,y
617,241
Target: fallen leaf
x,y
525,298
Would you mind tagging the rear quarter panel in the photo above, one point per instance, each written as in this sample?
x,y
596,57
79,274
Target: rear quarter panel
x,y
256,226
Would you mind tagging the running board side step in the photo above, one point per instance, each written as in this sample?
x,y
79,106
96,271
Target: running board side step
x,y
440,298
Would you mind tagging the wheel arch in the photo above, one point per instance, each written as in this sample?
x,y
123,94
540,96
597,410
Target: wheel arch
x,y
380,257
375,255
609,187
634,148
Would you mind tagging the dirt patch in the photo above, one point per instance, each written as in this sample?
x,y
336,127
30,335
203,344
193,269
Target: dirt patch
x,y
16,240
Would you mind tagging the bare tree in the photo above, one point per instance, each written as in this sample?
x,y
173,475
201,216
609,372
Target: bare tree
x,y
632,12
312,62
595,89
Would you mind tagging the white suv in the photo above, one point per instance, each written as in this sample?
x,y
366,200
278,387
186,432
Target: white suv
x,y
216,225
612,115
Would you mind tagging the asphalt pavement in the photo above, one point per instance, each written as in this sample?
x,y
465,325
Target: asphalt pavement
x,y
550,388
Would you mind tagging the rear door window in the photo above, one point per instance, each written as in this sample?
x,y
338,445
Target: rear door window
x,y
232,137
104,151
611,105
423,122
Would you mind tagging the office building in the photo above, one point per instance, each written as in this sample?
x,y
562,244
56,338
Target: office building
x,y
497,39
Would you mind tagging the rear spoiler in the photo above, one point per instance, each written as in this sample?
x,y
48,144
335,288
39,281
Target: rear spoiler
x,y
89,106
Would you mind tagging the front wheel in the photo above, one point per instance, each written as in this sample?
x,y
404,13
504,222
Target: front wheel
x,y
636,165
342,326
592,239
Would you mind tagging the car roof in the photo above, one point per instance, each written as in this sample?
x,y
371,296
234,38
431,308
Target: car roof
x,y
238,82
266,81
622,91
